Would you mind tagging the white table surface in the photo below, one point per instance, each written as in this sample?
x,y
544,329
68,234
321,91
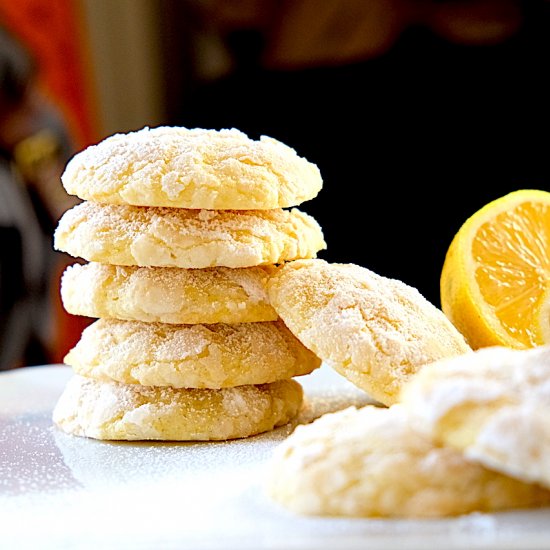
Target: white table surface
x,y
59,491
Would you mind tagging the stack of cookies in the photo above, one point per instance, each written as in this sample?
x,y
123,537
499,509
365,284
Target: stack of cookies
x,y
180,229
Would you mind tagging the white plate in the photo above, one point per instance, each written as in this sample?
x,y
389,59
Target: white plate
x,y
58,491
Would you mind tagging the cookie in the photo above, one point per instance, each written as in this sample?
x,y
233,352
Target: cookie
x,y
375,331
190,356
493,405
192,168
175,237
168,294
113,411
369,462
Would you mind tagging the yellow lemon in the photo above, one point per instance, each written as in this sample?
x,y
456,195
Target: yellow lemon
x,y
496,275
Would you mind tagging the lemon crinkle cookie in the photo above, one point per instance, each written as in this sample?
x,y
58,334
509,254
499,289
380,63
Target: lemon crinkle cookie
x,y
493,405
172,237
190,356
113,411
375,331
370,462
192,168
168,295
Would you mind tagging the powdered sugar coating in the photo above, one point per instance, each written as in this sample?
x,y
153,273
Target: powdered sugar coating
x,y
493,405
175,237
113,411
192,168
375,331
168,294
370,462
190,356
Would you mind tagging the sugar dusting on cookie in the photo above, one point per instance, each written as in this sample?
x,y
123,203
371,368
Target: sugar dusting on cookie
x,y
113,411
375,331
492,405
370,462
167,294
131,235
192,168
192,356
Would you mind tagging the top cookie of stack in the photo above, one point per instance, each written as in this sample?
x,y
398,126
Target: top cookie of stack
x,y
181,228
192,168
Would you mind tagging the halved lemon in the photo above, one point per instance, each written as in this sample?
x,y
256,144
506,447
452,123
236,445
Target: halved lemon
x,y
495,282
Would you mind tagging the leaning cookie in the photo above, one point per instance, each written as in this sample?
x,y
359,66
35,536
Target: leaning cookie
x,y
190,356
192,168
168,294
112,411
370,463
493,405
175,237
375,331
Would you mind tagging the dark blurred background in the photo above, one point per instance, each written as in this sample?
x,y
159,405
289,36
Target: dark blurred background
x,y
417,112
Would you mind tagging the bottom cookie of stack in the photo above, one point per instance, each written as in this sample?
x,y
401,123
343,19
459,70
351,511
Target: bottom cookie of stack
x,y
114,411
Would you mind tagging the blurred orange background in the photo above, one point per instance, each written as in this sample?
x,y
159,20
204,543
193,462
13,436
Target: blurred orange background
x,y
55,34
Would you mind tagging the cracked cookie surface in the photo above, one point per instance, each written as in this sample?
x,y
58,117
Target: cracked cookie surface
x,y
113,411
192,168
168,294
375,331
192,356
175,237
492,405
369,462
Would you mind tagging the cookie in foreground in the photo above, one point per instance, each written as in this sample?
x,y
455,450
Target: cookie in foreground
x,y
168,294
113,411
492,405
369,462
175,237
190,356
192,168
375,331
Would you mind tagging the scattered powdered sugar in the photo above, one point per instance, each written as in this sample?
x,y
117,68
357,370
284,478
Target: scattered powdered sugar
x,y
483,526
194,495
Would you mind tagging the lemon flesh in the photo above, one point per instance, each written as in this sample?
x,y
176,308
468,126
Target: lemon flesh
x,y
496,274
